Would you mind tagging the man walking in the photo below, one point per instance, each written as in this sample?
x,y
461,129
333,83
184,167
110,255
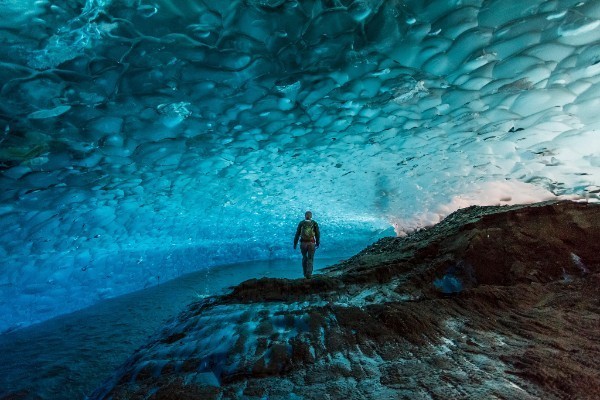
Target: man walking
x,y
309,235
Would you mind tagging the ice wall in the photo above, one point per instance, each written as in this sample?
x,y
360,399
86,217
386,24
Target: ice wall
x,y
140,140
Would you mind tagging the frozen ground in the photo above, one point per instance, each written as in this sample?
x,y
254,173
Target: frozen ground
x,y
519,321
69,356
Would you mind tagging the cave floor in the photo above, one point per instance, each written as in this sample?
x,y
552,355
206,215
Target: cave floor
x,y
71,355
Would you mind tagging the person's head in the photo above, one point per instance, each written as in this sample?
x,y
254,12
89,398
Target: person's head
x,y
308,215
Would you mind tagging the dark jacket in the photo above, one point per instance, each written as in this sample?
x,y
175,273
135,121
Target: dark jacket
x,y
317,238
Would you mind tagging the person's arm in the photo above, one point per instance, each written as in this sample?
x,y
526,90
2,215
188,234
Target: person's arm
x,y
297,235
317,235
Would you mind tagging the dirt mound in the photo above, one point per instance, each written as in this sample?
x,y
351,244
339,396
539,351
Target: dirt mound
x,y
491,303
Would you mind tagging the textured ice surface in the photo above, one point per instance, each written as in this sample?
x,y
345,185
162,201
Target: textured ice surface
x,y
143,139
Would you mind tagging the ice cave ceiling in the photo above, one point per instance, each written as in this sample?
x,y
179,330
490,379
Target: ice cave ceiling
x,y
142,139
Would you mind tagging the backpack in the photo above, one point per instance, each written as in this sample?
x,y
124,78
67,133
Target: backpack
x,y
307,231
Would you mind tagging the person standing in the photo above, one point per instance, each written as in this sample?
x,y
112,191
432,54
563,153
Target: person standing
x,y
309,235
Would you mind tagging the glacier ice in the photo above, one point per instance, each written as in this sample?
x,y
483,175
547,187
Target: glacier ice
x,y
140,140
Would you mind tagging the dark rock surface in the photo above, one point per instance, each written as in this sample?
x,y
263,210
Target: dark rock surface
x,y
493,302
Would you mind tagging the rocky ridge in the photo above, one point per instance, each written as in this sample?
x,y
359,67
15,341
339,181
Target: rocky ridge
x,y
493,302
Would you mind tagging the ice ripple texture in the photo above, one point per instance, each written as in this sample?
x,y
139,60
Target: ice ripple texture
x,y
140,140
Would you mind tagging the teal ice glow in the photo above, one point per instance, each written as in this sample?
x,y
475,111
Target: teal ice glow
x,y
140,140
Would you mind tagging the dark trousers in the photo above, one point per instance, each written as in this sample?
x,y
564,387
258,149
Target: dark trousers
x,y
308,256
